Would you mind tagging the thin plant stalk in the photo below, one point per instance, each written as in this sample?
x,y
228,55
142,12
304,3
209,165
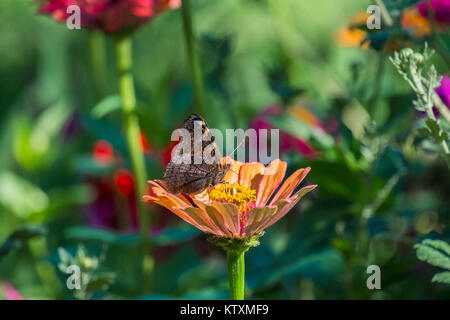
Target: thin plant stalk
x,y
236,274
98,63
442,108
387,19
123,46
194,63
377,84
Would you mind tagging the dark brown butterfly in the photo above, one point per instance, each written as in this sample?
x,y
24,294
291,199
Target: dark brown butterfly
x,y
194,178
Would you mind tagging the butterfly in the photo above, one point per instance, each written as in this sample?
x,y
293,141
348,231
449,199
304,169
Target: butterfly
x,y
192,178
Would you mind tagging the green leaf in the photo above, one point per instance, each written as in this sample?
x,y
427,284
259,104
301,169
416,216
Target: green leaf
x,y
100,282
176,234
170,235
396,6
433,125
64,256
425,132
100,235
322,266
106,106
19,237
436,131
442,277
438,244
20,196
88,165
432,255
30,146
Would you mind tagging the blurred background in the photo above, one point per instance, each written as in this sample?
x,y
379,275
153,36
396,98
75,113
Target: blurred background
x,y
66,184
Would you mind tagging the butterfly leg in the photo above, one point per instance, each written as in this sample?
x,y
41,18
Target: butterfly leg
x,y
209,197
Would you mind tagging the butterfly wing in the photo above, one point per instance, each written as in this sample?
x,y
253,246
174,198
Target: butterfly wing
x,y
192,178
189,178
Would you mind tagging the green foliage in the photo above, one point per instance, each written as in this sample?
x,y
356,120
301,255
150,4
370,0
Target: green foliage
x,y
436,253
19,238
380,187
170,236
91,280
433,131
411,66
21,197
395,7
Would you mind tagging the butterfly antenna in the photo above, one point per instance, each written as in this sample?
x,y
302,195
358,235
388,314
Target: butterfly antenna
x,y
238,146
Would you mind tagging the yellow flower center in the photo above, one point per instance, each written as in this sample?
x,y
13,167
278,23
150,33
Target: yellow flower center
x,y
234,193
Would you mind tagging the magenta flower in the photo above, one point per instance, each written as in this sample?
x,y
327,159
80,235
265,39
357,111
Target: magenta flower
x,y
110,16
441,9
288,142
443,91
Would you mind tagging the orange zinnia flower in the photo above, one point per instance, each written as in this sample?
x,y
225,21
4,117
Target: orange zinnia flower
x,y
353,35
412,19
243,206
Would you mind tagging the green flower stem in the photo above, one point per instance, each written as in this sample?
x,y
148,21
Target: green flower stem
x,y
98,63
236,248
123,45
193,57
236,274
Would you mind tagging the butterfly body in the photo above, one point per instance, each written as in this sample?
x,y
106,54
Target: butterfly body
x,y
192,178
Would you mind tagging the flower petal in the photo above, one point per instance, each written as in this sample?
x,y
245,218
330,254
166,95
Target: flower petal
x,y
220,220
250,174
231,177
258,217
274,174
230,212
290,184
284,206
186,217
201,217
157,192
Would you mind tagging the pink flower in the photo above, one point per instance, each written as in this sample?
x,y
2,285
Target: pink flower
x,y
110,16
441,9
11,293
288,142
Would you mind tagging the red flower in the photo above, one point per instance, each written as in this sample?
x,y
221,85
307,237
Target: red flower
x,y
103,152
167,153
124,182
146,148
108,15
